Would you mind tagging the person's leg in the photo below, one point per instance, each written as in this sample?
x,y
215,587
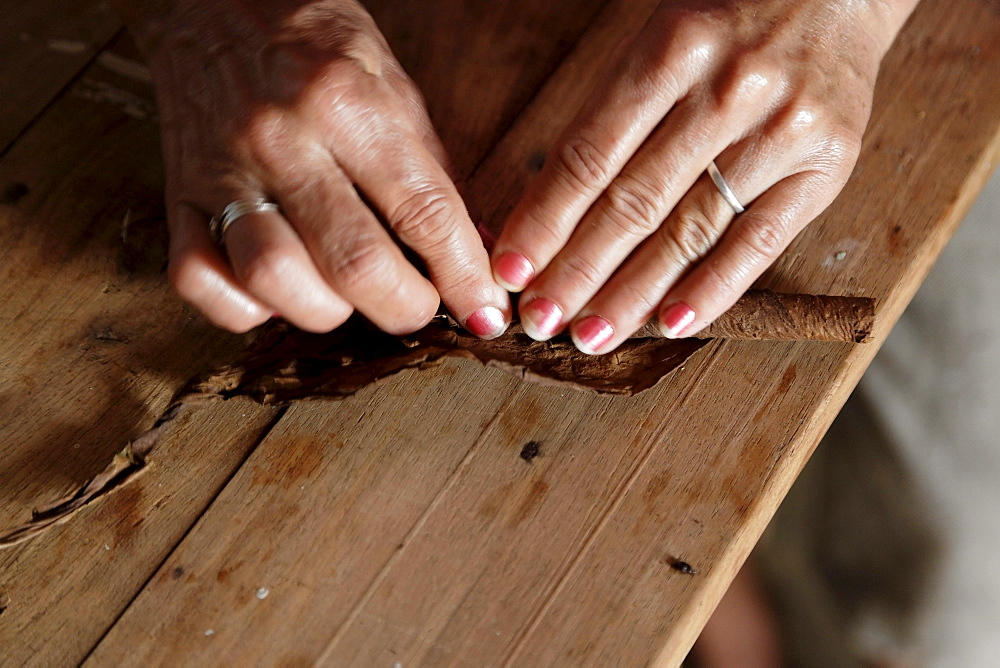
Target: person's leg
x,y
936,387
743,630
909,475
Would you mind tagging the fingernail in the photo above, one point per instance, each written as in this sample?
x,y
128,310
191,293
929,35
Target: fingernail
x,y
513,271
541,319
592,333
676,319
487,323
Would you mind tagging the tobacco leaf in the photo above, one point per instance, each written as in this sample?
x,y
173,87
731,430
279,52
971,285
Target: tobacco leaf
x,y
285,365
288,365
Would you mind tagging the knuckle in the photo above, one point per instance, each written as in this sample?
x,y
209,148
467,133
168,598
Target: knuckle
x,y
654,71
691,31
692,232
339,75
583,267
731,281
840,152
749,78
765,239
802,123
266,270
831,158
583,163
261,127
344,94
425,218
362,263
803,116
676,44
641,303
633,207
260,136
419,316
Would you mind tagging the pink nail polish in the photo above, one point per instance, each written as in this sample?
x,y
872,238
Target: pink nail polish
x,y
541,318
513,271
676,319
487,323
592,333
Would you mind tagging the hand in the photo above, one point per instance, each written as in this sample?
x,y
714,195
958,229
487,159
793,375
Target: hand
x,y
623,224
300,102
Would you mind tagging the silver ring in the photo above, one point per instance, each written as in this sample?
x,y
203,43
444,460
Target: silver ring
x,y
234,211
724,189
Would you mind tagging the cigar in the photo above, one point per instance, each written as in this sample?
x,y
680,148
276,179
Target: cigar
x,y
763,315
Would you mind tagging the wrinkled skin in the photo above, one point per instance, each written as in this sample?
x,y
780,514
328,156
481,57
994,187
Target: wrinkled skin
x,y
301,102
623,224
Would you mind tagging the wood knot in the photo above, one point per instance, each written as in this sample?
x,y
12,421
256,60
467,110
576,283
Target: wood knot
x,y
530,450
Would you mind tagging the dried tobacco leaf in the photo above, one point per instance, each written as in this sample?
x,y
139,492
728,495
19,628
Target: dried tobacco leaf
x,y
286,365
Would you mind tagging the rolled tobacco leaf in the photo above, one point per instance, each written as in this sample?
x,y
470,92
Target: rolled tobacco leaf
x,y
285,365
763,315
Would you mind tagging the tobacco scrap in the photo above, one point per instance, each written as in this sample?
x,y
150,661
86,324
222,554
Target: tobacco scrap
x,y
123,468
286,365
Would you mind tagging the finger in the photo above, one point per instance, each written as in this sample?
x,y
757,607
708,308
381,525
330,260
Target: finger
x,y
351,249
751,244
417,113
633,295
634,206
432,142
614,122
269,258
424,209
202,276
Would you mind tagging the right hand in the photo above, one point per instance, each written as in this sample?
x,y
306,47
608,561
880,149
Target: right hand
x,y
301,102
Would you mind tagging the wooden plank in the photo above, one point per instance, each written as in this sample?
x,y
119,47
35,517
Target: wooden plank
x,y
359,452
469,59
43,46
62,590
95,343
571,558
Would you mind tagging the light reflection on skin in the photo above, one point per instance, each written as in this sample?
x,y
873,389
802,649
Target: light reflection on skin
x,y
804,118
302,102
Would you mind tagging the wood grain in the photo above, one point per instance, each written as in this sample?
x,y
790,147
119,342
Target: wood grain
x,y
43,45
478,64
95,343
421,535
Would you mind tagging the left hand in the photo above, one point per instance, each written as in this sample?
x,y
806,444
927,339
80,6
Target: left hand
x,y
623,223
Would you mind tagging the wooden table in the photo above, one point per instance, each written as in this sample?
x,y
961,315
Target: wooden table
x,y
401,525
